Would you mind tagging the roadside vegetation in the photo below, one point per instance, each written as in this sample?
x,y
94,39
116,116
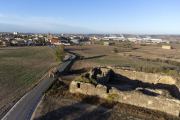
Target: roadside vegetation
x,y
59,54
20,69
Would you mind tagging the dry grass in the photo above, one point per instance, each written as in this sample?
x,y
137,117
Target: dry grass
x,y
94,55
21,68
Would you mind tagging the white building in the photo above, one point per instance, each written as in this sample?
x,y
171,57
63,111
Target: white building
x,y
15,33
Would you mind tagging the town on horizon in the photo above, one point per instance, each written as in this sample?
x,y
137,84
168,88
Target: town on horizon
x,y
16,38
66,39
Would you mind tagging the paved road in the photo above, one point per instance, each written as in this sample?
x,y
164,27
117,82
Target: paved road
x,y
21,110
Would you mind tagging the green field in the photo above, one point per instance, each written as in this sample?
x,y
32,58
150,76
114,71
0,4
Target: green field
x,y
20,69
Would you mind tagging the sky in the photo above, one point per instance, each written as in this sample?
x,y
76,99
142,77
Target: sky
x,y
90,16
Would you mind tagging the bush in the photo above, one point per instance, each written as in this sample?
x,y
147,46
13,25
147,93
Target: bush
x,y
86,80
147,59
176,63
143,44
165,61
155,70
158,60
173,72
115,50
138,68
80,44
130,55
112,97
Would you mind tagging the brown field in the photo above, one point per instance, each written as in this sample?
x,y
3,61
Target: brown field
x,y
98,54
20,69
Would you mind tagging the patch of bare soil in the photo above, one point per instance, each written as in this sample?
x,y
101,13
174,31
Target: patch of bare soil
x,y
60,91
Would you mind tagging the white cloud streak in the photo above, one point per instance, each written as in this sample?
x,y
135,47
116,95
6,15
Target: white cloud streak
x,y
40,23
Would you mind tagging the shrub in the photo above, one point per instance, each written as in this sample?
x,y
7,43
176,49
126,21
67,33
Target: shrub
x,y
80,44
173,72
165,61
112,97
149,70
130,55
176,63
115,50
169,62
86,80
158,60
155,70
147,59
138,68
143,44
144,69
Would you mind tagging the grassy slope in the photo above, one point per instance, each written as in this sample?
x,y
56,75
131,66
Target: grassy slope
x,y
20,69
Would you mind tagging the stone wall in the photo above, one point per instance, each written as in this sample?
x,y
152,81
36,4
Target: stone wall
x,y
158,80
88,89
141,76
170,106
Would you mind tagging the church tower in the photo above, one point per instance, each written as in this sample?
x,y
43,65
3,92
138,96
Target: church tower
x,y
48,34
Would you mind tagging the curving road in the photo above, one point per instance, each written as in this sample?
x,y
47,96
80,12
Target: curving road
x,y
23,109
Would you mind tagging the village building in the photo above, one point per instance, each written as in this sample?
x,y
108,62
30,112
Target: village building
x,y
109,43
59,42
166,47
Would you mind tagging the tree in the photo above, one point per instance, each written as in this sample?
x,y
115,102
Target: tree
x,y
115,50
60,53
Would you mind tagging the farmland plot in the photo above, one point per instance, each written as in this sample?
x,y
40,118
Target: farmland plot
x,y
20,69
